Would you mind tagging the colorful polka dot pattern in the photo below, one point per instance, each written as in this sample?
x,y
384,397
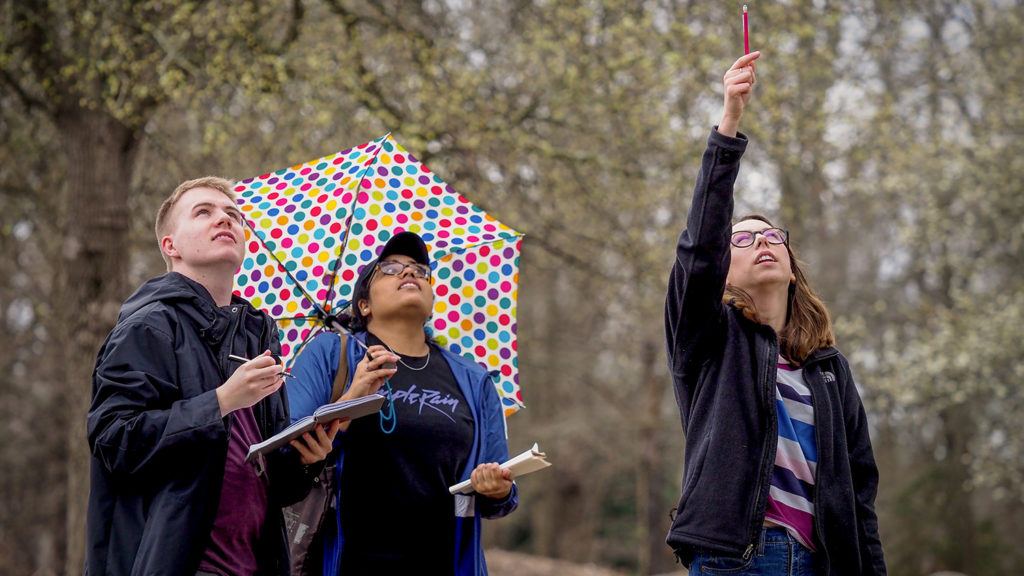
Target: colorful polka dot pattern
x,y
314,226
475,295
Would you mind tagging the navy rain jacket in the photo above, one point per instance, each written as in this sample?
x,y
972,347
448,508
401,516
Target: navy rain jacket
x,y
157,438
724,375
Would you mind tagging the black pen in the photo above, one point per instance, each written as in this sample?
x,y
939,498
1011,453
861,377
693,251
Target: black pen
x,y
243,359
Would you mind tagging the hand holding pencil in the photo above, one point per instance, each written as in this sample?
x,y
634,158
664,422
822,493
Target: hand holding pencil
x,y
739,86
253,381
236,358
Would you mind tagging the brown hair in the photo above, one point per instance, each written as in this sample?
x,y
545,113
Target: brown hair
x,y
808,325
163,215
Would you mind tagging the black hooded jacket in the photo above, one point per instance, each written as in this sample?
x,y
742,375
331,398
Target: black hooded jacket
x,y
157,438
724,374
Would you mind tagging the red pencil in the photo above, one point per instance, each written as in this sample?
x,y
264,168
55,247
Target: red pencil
x,y
746,32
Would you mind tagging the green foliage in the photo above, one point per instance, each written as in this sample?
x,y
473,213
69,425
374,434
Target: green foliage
x,y
126,58
884,135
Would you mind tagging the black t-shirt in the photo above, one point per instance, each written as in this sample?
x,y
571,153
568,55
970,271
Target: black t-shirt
x,y
396,511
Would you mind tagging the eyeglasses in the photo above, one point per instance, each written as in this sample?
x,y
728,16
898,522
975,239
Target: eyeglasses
x,y
393,268
745,238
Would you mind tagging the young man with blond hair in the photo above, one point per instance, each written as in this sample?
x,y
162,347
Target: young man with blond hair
x,y
172,417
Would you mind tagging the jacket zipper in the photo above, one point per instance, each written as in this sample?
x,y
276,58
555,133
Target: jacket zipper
x,y
236,315
770,446
229,338
264,345
817,438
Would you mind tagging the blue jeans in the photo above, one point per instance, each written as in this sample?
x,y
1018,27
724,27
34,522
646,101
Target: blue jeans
x,y
777,554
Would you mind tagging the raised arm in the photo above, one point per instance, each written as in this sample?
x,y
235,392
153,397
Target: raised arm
x,y
693,304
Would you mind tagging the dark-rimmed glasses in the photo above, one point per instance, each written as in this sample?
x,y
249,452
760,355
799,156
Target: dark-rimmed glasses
x,y
394,268
745,238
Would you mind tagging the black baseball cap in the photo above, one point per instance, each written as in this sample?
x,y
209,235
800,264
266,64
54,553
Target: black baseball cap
x,y
407,244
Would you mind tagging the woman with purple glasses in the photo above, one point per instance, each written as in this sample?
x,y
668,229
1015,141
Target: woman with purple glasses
x,y
779,474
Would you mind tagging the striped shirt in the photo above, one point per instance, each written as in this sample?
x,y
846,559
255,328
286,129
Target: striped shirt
x,y
791,497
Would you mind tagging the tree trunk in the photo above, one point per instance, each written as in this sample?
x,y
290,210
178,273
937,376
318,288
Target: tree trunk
x,y
92,281
958,516
652,514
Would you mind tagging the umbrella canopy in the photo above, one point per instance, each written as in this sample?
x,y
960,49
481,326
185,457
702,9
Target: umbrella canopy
x,y
313,227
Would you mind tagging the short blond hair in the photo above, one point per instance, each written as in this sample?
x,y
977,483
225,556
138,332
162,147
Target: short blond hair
x,y
163,215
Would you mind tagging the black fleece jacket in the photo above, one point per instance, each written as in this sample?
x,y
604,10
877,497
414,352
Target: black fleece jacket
x,y
724,372
158,441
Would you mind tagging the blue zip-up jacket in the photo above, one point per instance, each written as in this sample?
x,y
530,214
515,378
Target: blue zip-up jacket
x,y
315,370
158,441
724,375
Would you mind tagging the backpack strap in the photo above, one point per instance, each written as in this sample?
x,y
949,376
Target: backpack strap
x,y
341,378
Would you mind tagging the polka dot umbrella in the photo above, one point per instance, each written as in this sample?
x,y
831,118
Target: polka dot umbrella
x,y
313,227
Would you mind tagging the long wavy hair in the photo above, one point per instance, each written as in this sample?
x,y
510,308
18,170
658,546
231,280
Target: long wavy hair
x,y
808,324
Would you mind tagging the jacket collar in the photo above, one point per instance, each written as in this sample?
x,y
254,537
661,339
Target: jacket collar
x,y
819,355
193,300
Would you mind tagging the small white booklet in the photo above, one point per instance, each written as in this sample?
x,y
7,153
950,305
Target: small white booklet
x,y
529,461
347,410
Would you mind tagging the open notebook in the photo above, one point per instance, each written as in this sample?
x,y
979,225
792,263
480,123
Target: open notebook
x,y
347,410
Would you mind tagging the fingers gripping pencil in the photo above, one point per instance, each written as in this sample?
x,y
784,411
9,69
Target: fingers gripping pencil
x,y
236,358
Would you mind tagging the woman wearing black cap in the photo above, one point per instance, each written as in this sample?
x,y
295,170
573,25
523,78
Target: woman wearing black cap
x,y
396,514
